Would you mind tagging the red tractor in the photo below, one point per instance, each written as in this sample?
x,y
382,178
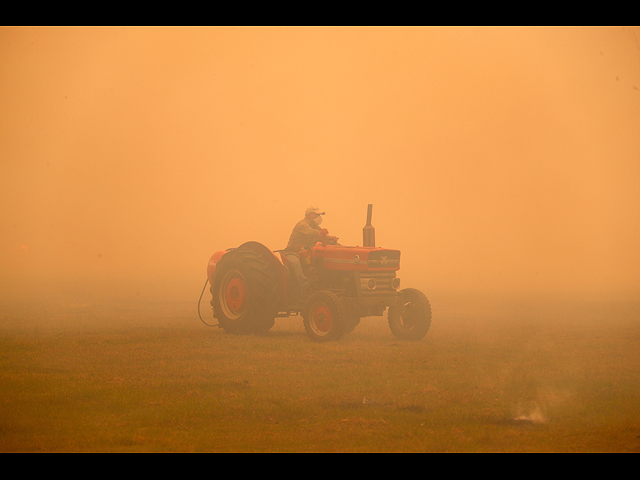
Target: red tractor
x,y
251,286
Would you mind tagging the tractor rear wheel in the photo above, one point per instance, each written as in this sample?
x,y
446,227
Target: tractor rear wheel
x,y
324,316
245,293
410,318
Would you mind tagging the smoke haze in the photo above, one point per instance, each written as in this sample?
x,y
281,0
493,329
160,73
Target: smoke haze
x,y
499,160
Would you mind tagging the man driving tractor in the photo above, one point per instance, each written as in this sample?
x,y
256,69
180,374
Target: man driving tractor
x,y
330,286
305,234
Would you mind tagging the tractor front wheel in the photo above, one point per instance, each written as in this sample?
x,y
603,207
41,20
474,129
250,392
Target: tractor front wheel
x,y
324,317
410,318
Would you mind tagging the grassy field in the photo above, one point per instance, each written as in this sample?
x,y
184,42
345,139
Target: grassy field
x,y
494,376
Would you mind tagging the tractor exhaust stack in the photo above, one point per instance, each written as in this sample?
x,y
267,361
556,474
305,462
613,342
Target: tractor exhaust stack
x,y
368,232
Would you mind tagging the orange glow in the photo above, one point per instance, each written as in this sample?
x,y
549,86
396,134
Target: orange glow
x,y
497,159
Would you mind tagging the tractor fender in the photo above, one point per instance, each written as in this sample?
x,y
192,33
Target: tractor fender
x,y
211,266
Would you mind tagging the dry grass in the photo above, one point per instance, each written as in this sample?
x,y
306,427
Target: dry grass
x,y
498,377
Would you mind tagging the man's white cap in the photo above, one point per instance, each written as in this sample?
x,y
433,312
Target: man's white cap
x,y
313,210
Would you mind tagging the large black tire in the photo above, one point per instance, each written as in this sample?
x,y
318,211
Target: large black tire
x,y
324,316
245,292
410,318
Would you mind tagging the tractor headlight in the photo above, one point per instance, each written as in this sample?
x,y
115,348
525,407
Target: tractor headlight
x,y
371,284
395,283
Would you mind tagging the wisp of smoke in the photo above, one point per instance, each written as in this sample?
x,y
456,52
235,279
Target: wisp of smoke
x,y
535,416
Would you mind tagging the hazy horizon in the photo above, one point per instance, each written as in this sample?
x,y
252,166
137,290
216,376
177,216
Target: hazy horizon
x,y
497,159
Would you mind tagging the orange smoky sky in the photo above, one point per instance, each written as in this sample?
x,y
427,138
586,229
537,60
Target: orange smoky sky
x,y
497,159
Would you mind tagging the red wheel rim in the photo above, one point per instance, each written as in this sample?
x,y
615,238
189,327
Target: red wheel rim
x,y
321,319
235,295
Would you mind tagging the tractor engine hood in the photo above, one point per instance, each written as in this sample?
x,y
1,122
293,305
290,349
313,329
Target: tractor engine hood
x,y
337,257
